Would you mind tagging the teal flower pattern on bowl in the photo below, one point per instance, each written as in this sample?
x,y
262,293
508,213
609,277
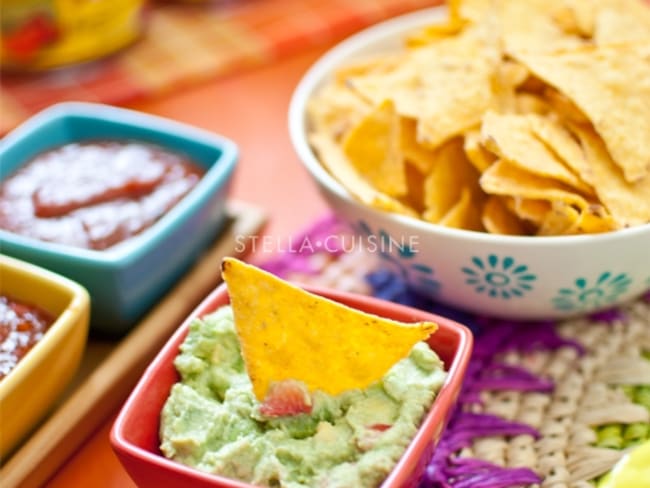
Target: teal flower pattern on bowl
x,y
401,256
499,278
599,293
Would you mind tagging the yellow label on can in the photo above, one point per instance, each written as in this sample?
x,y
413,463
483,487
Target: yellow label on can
x,y
41,34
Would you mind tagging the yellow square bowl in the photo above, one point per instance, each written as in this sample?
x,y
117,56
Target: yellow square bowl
x,y
31,388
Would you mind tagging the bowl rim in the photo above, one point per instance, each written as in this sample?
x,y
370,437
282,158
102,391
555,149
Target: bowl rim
x,y
69,318
135,247
322,69
444,399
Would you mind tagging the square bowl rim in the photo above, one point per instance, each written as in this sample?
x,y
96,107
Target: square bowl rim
x,y
444,397
124,253
64,322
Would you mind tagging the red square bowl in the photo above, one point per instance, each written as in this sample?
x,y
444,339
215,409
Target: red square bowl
x,y
134,435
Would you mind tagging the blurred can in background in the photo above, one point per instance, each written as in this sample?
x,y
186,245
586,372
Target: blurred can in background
x,y
44,34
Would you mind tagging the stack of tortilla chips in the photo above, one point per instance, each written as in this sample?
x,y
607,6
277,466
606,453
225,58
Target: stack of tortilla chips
x,y
512,117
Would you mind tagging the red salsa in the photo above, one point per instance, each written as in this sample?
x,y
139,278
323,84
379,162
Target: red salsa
x,y
21,327
94,194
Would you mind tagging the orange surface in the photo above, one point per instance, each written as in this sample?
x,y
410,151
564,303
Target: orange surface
x,y
181,45
250,108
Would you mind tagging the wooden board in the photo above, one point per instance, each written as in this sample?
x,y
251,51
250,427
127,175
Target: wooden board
x,y
109,370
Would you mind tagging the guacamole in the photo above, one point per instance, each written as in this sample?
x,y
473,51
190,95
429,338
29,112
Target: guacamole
x,y
212,420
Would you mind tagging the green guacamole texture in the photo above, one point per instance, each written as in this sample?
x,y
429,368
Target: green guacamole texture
x,y
211,420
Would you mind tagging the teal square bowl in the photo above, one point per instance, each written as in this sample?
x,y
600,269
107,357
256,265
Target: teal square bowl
x,y
126,280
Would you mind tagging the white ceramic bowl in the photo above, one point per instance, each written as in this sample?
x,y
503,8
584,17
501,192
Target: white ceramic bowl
x,y
518,277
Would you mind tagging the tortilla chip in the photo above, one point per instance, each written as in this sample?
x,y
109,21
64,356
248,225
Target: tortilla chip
x,y
532,85
564,106
464,214
421,156
510,137
623,23
288,333
561,142
497,219
526,103
336,109
605,21
564,219
529,209
628,203
425,86
456,214
558,220
504,178
443,186
377,64
414,198
509,75
373,148
573,17
512,73
610,85
540,34
469,10
594,219
332,157
476,154
436,32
